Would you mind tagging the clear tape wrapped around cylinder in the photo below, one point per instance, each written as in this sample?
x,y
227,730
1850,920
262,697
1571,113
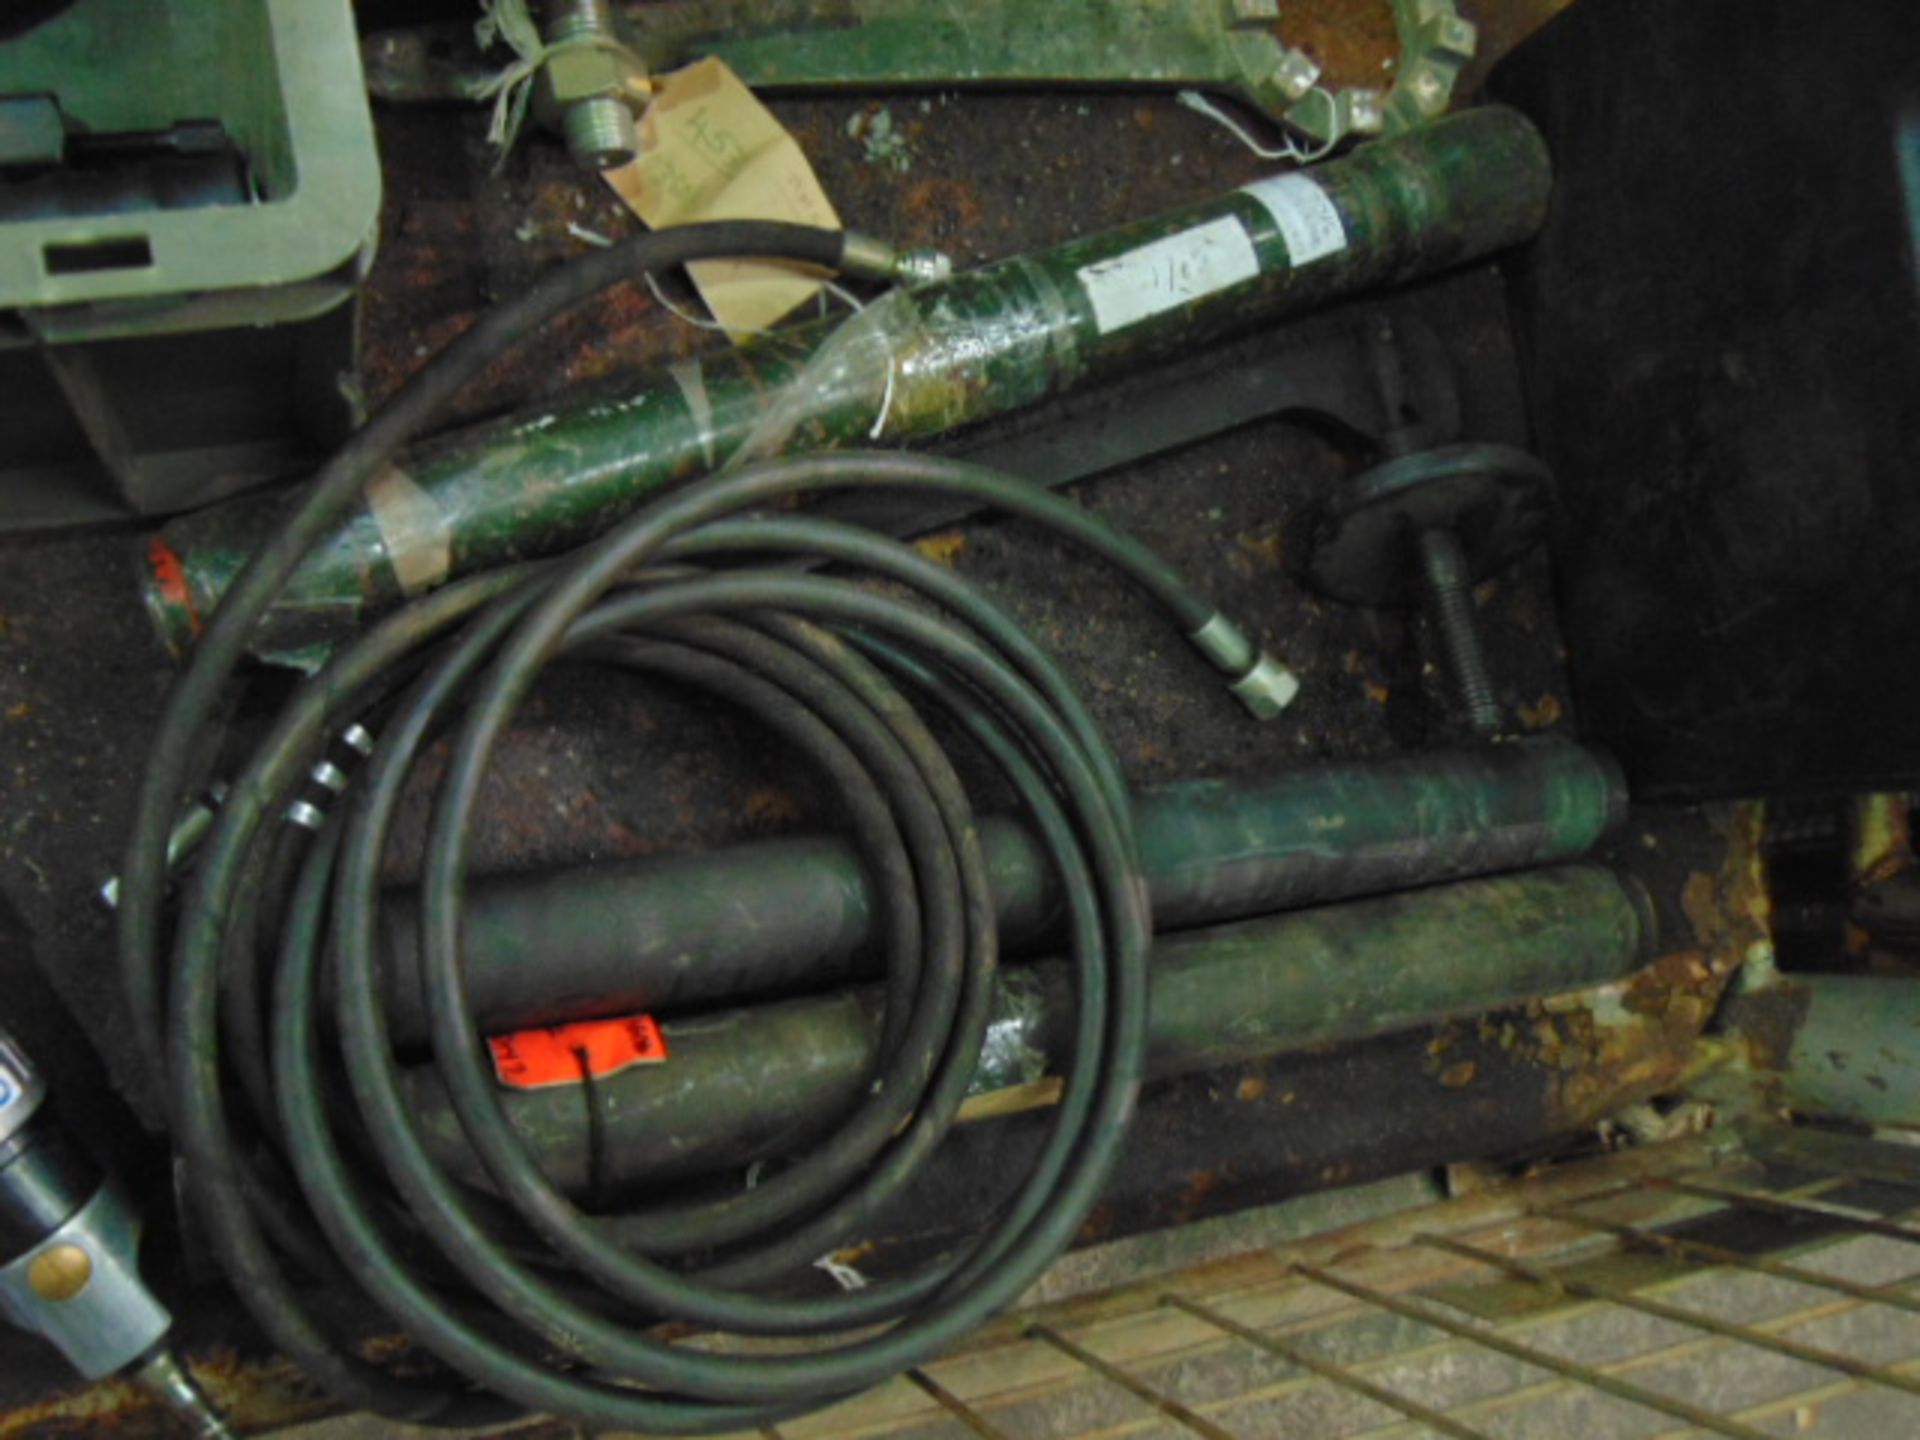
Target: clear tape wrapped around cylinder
x,y
912,366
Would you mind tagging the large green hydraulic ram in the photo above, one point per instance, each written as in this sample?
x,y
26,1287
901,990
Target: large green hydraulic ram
x,y
778,916
912,366
765,1081
1833,1047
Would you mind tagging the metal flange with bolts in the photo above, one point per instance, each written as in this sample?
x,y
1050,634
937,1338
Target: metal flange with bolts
x,y
1426,527
1233,47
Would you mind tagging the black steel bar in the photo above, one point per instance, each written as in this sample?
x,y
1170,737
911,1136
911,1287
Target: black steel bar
x,y
1680,1245
1677,1314
956,1407
1327,1370
1528,1355
1133,1385
1806,1208
1826,1152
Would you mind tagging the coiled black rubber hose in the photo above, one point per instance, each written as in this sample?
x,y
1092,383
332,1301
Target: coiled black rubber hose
x,y
300,1151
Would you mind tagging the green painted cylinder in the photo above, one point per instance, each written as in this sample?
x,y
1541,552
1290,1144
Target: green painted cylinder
x,y
912,366
760,1082
1834,1047
785,915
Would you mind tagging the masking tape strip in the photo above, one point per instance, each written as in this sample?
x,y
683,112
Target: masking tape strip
x,y
413,528
1167,273
1308,219
692,380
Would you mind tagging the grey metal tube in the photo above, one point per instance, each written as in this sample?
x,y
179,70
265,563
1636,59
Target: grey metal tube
x,y
764,1080
775,917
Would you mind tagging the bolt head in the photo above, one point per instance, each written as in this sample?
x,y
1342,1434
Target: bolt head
x,y
60,1273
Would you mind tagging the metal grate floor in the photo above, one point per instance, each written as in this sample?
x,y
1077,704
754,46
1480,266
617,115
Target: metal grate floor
x,y
1694,1288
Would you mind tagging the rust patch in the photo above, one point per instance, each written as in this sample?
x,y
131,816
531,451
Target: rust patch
x,y
253,1394
1337,1174
1543,713
1193,1195
944,548
1883,839
1353,41
1767,1021
1682,975
1633,1041
935,210
1605,1065
1098,1225
1255,555
768,808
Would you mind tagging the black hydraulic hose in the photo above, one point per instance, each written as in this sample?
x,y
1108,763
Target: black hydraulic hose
x,y
530,1301
192,702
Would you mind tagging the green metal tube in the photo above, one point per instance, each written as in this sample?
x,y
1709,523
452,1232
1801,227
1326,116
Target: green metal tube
x,y
1837,1047
910,367
763,1081
782,916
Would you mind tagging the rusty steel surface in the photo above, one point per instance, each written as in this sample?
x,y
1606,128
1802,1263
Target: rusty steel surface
x,y
595,771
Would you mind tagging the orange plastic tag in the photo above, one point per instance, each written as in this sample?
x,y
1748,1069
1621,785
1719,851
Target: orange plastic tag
x,y
568,1054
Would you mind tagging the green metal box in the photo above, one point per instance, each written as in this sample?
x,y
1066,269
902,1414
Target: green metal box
x,y
189,195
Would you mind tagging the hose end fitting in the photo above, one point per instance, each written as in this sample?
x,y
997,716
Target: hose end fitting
x,y
1259,682
1267,689
922,265
866,257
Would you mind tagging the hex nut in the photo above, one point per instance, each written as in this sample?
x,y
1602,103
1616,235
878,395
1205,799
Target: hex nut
x,y
1267,689
1429,87
1365,111
1295,74
1454,36
581,72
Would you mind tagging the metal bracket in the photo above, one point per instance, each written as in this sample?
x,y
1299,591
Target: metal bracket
x,y
1230,46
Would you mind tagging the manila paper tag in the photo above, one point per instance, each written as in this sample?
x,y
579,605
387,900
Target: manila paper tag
x,y
710,151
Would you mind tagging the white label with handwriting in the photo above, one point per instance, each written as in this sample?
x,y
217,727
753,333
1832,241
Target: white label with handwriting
x,y
1168,273
1308,219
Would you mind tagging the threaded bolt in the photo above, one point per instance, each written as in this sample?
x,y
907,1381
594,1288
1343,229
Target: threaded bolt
x,y
599,132
1443,566
572,19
